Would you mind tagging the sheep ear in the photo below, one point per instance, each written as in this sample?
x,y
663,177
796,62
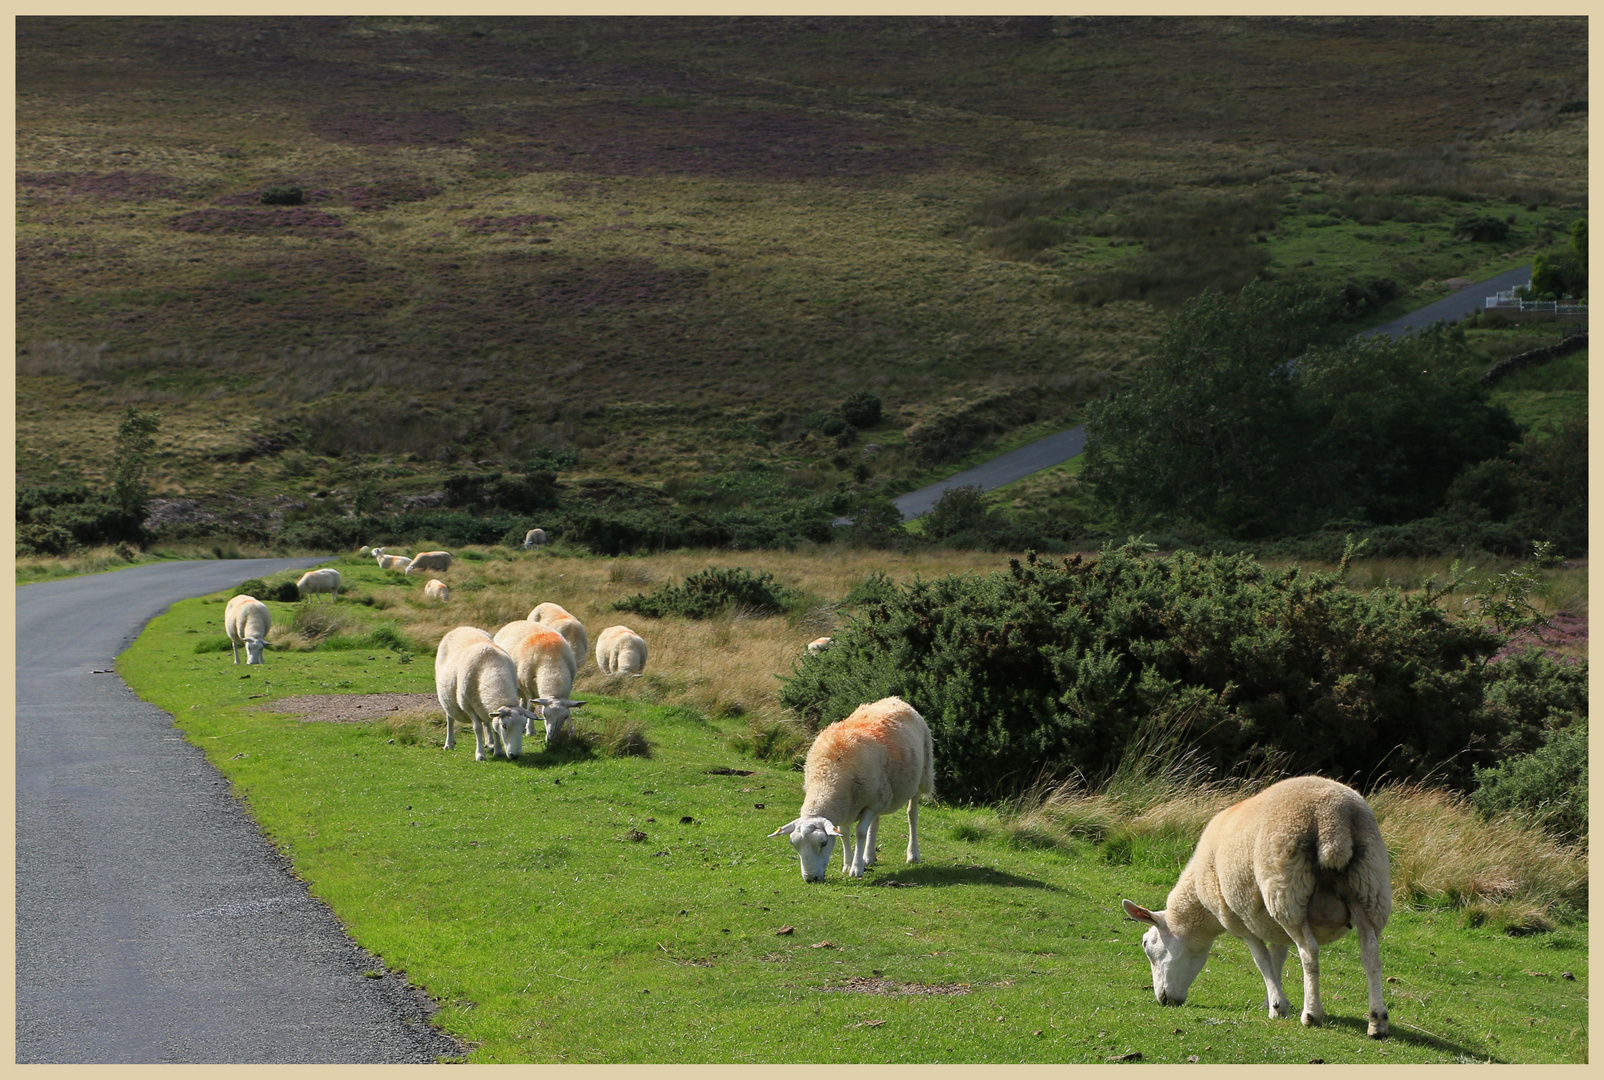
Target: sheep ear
x,y
832,830
542,701
572,704
1137,912
785,830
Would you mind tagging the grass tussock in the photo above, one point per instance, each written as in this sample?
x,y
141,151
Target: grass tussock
x,y
615,737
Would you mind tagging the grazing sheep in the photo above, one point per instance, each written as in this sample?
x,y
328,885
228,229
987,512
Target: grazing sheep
x,y
558,618
477,683
534,538
391,562
546,667
430,560
1297,864
435,589
857,770
818,645
246,621
364,550
620,651
319,581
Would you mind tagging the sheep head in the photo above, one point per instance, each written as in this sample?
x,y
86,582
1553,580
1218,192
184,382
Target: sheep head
x,y
554,711
1175,960
814,839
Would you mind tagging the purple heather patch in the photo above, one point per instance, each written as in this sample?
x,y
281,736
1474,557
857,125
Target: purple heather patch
x,y
133,186
1564,629
296,221
368,127
514,223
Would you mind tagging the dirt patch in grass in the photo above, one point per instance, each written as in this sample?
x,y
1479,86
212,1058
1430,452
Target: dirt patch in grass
x,y
348,708
858,984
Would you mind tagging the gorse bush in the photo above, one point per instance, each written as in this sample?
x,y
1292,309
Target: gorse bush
x,y
714,590
1548,785
1053,667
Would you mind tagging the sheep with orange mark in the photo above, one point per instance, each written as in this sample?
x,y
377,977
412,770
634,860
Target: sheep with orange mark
x,y
390,562
620,651
545,666
857,770
818,645
559,619
477,683
435,589
1297,864
438,561
534,538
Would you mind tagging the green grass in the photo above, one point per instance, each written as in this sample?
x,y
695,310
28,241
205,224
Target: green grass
x,y
514,895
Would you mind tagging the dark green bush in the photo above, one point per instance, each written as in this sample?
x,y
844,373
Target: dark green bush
x,y
714,590
284,592
1053,667
861,410
283,196
56,519
1482,229
1548,785
250,587
524,494
1538,491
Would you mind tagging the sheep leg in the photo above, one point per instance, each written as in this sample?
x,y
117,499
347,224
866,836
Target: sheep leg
x,y
1271,961
865,831
480,738
451,728
872,850
913,829
1309,956
1370,955
236,649
847,849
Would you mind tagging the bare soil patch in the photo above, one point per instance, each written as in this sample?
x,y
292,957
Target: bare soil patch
x,y
858,984
348,708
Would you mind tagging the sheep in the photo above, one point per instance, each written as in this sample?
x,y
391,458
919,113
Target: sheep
x,y
435,589
477,683
558,618
391,562
620,651
430,560
319,581
545,666
857,770
364,550
246,621
1296,864
818,645
534,538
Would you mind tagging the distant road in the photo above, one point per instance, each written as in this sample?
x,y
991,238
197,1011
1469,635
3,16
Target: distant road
x,y
1455,306
154,922
1059,448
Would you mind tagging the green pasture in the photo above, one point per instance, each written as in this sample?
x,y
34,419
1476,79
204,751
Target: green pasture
x,y
572,907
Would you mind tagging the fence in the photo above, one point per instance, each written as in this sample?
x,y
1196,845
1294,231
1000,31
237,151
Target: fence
x,y
1506,301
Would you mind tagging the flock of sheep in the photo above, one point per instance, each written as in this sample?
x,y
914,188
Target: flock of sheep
x,y
1296,865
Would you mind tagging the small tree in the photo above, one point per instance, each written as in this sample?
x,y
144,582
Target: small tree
x,y
136,437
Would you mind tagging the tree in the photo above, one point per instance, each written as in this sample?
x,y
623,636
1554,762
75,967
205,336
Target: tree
x,y
136,437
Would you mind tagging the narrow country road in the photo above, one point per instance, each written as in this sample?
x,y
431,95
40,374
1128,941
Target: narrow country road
x,y
1060,447
154,921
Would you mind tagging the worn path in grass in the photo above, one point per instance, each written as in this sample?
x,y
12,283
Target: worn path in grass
x,y
154,921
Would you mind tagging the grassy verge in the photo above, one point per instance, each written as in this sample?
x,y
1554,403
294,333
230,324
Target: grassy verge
x,y
579,906
100,560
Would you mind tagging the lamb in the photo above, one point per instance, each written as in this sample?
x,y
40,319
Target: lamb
x,y
435,589
246,621
1296,864
476,682
857,770
319,581
558,618
430,560
818,645
545,667
534,538
620,651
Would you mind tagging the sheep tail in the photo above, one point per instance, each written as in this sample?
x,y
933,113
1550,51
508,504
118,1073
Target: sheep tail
x,y
1335,832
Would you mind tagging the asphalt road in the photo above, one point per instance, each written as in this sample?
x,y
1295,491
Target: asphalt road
x,y
1061,447
154,921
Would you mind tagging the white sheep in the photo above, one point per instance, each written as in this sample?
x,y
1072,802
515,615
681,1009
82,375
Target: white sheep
x,y
818,645
391,562
534,538
620,651
477,683
546,667
364,550
319,581
857,770
1296,864
558,618
435,589
246,621
430,560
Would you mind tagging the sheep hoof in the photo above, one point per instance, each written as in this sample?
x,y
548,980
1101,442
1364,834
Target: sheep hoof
x,y
1378,1025
1311,1020
1280,1010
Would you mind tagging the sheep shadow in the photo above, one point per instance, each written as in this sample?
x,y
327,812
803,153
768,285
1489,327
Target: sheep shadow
x,y
1397,1032
938,876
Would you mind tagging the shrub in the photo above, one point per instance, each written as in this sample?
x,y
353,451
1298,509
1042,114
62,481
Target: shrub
x,y
714,590
284,592
1547,786
283,196
250,587
1052,667
861,410
959,509
491,491
1482,229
